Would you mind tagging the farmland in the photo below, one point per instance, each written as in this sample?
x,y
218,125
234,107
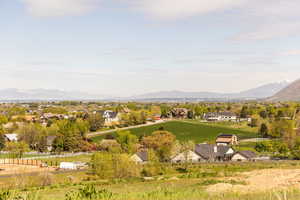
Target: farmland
x,y
183,130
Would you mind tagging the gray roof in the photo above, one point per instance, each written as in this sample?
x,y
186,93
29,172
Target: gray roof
x,y
247,154
207,151
225,135
143,155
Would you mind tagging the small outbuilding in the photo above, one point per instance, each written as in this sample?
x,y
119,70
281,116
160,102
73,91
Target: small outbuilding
x,y
71,165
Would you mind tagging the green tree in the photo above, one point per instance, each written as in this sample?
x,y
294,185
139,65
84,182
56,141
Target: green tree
x,y
109,165
264,130
284,129
96,121
127,141
17,149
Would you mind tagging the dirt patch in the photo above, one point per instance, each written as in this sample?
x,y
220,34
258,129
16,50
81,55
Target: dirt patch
x,y
261,180
11,169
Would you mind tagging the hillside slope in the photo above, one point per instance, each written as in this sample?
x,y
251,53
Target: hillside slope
x,y
290,93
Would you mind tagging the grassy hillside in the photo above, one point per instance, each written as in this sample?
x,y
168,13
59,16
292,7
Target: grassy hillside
x,y
189,131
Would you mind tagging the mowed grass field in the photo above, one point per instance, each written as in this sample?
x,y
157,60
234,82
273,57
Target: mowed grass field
x,y
188,131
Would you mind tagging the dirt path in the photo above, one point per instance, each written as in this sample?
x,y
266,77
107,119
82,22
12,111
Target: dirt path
x,y
261,180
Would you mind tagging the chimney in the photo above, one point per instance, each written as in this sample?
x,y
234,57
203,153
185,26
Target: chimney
x,y
215,149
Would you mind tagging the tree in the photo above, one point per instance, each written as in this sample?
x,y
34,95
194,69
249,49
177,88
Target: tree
x,y
264,130
17,149
162,142
109,165
30,134
190,114
127,141
96,121
3,119
263,114
186,147
83,127
284,129
2,139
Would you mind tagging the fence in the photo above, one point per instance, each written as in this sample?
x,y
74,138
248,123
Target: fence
x,y
21,162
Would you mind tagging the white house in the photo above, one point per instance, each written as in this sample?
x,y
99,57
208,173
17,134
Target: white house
x,y
189,156
110,117
243,156
220,116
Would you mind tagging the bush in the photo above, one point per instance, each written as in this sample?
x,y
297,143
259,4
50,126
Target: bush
x,y
114,165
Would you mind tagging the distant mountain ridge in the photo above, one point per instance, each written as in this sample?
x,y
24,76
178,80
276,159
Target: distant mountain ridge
x,y
261,92
44,94
289,93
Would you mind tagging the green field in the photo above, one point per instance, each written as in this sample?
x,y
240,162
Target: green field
x,y
189,131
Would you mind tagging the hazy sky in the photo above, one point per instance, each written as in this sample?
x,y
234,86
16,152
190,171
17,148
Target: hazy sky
x,y
125,47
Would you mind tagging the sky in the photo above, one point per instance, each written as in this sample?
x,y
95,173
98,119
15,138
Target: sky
x,y
129,47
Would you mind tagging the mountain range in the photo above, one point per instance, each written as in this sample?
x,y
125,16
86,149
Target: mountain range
x,y
44,94
261,92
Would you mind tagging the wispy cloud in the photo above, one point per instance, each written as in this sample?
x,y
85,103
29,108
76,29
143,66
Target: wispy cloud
x,y
174,9
56,8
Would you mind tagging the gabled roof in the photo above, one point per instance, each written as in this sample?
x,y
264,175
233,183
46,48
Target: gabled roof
x,y
143,155
207,151
108,114
11,137
247,154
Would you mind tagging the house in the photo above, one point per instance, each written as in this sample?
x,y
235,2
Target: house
x,y
140,157
49,142
11,137
211,152
110,117
220,116
244,156
205,152
189,156
178,113
227,139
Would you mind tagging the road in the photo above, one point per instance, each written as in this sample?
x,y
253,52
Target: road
x,y
92,134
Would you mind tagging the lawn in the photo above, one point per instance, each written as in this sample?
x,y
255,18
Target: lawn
x,y
189,131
